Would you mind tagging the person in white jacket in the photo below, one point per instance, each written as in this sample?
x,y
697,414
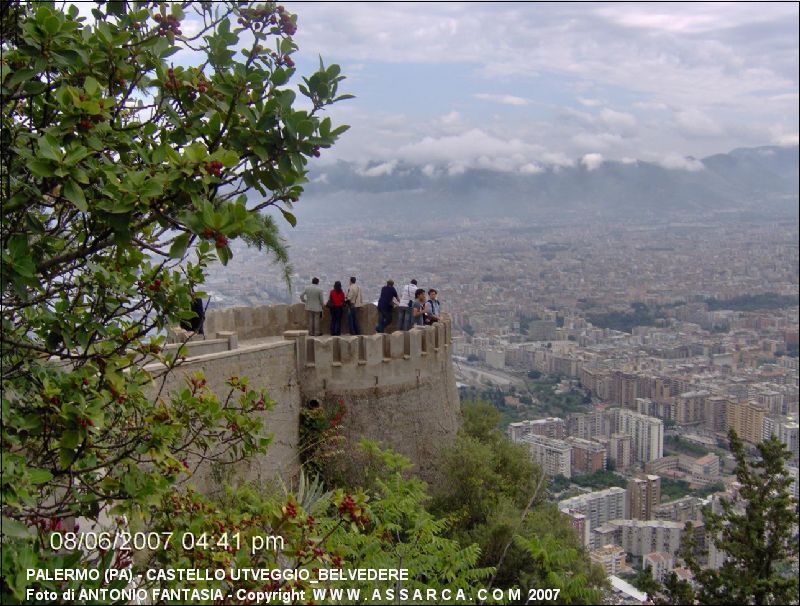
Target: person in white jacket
x,y
354,302
315,302
407,296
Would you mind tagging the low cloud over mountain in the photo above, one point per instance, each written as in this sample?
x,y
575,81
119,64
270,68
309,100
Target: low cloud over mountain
x,y
762,180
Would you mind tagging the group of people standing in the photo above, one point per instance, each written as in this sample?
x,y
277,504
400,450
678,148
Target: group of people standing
x,y
413,307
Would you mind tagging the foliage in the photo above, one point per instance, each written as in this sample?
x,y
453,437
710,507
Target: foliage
x,y
641,315
675,489
644,581
123,175
387,527
679,444
320,436
559,483
494,495
557,404
405,535
756,532
600,480
482,469
559,560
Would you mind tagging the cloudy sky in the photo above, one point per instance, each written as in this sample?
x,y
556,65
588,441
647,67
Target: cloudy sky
x,y
519,86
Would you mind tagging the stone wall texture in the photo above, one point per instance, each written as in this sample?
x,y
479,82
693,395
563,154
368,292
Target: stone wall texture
x,y
274,320
272,366
397,388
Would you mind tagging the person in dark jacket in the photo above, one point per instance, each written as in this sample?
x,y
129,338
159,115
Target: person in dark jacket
x,y
386,304
336,304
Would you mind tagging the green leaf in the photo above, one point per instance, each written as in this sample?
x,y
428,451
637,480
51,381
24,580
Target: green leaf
x,y
196,152
41,168
17,530
74,193
69,439
292,220
178,248
305,128
159,154
52,25
280,76
91,85
39,476
75,155
20,76
151,188
224,254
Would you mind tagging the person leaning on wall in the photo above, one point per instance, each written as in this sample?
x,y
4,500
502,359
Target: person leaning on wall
x,y
387,301
353,303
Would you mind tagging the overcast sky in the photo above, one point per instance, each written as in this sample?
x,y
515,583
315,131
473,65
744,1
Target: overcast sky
x,y
518,86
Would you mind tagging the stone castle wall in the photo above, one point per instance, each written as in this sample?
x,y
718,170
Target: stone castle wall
x,y
274,320
266,365
398,389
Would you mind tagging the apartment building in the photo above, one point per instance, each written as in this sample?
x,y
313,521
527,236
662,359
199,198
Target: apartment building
x,y
644,495
587,456
611,557
599,507
553,456
551,427
647,433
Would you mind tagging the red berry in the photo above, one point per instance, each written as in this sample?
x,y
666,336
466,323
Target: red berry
x,y
158,18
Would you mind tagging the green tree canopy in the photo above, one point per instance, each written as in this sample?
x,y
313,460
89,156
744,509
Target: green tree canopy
x,y
136,146
756,531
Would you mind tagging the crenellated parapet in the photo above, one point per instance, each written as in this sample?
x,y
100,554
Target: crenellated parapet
x,y
274,320
397,388
367,361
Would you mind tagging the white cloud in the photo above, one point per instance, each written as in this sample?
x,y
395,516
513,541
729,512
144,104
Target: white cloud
x,y
429,170
620,121
531,169
787,140
596,141
456,169
323,178
557,159
723,76
654,105
450,118
676,162
381,170
472,148
592,161
695,123
502,99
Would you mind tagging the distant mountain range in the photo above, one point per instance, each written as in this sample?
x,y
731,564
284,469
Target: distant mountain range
x,y
760,181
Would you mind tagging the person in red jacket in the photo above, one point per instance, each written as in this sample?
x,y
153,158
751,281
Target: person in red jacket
x,y
336,305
